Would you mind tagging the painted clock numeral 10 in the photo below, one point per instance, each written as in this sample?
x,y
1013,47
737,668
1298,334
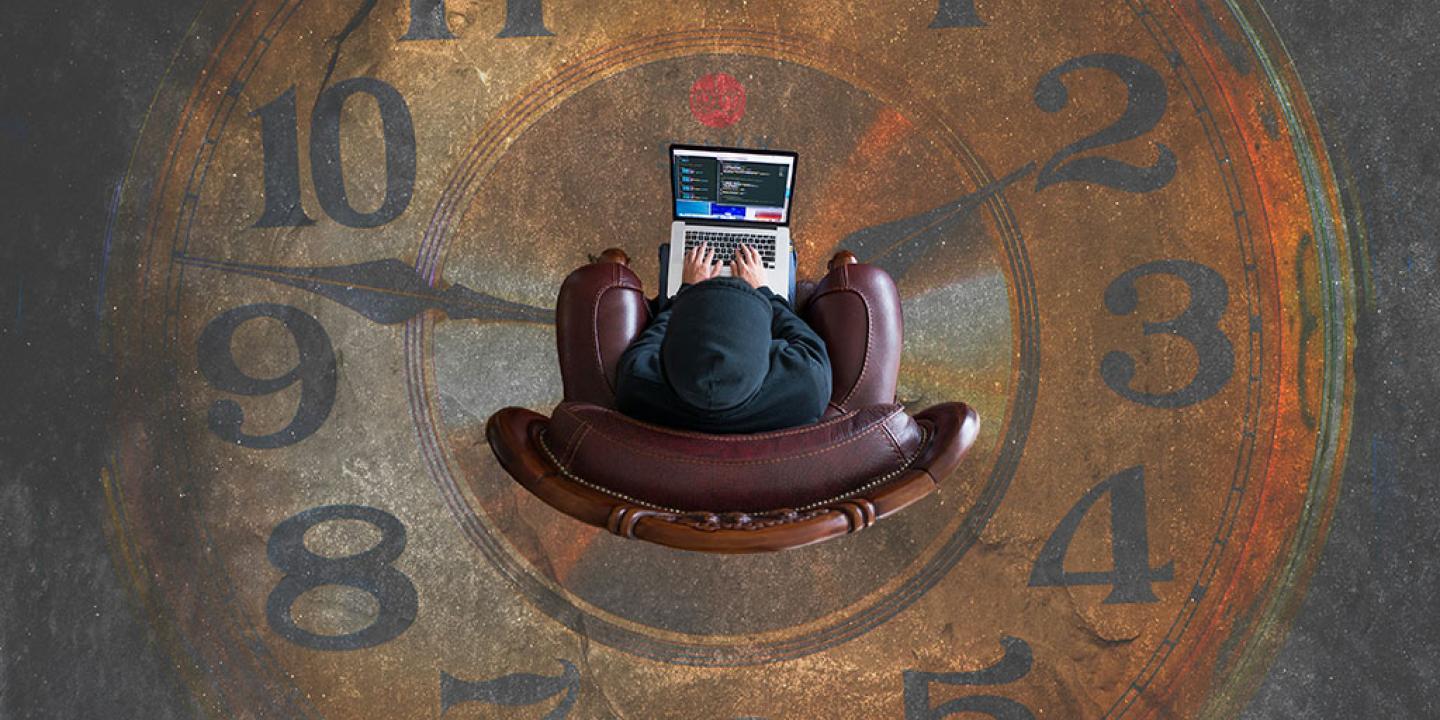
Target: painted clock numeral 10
x,y
282,157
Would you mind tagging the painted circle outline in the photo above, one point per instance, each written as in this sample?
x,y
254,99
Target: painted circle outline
x,y
424,409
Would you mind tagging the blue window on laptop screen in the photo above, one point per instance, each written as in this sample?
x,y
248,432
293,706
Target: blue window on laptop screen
x,y
696,208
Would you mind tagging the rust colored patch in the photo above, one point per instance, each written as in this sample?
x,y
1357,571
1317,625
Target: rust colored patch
x,y
717,100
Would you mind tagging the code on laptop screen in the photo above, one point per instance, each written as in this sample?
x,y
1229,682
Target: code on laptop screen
x,y
720,185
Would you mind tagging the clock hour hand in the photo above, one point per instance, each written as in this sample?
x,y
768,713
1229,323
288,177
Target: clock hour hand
x,y
385,291
895,246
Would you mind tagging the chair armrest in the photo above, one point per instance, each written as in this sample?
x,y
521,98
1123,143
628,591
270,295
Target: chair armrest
x,y
955,426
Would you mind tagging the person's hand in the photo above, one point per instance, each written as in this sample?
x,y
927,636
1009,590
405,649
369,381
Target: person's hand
x,y
700,264
747,266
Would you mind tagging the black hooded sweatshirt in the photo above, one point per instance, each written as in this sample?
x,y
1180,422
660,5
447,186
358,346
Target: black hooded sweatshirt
x,y
723,357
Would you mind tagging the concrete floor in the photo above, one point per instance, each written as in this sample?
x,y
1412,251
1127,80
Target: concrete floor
x,y
74,89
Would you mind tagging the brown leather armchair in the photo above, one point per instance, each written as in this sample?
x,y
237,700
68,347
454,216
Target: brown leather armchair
x,y
866,458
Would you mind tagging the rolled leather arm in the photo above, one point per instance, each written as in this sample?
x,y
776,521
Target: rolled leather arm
x,y
600,310
856,310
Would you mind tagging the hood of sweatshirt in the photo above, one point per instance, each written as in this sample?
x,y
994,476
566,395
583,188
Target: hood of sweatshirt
x,y
716,351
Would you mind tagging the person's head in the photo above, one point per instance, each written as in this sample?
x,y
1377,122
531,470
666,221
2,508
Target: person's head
x,y
716,350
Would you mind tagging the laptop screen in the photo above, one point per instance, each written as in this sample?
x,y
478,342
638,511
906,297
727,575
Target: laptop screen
x,y
735,185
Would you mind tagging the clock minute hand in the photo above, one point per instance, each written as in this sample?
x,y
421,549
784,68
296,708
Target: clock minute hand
x,y
384,291
391,291
895,246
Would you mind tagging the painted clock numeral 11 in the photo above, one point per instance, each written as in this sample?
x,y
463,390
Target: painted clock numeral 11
x,y
523,18
1113,226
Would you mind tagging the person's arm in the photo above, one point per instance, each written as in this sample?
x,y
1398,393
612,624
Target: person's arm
x,y
786,325
796,350
666,302
642,357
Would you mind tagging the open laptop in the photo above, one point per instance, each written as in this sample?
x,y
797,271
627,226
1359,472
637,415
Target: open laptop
x,y
728,196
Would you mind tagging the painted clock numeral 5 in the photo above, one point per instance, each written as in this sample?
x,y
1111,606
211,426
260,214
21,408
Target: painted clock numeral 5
x,y
1013,666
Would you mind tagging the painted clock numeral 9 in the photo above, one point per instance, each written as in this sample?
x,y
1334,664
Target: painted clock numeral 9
x,y
315,370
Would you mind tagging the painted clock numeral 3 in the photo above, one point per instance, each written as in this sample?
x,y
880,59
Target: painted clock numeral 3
x,y
1198,324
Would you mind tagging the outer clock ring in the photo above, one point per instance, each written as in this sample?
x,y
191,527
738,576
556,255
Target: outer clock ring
x,y
1250,662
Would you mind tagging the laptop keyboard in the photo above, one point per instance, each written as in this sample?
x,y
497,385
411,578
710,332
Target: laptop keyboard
x,y
725,243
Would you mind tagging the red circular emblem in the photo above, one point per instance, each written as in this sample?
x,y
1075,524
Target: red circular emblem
x,y
717,100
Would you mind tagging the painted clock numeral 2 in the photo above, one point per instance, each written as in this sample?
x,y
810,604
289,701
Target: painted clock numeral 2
x,y
1146,99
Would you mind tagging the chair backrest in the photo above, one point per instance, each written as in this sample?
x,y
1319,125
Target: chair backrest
x,y
688,471
820,478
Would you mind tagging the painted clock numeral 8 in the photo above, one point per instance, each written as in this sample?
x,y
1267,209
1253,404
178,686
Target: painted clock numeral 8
x,y
1115,232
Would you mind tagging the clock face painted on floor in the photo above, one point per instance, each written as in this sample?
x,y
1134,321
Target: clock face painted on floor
x,y
1115,234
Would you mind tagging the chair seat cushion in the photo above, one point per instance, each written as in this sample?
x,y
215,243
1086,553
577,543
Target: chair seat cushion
x,y
680,470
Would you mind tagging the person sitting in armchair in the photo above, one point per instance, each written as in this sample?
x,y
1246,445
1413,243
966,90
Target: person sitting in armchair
x,y
724,355
848,321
